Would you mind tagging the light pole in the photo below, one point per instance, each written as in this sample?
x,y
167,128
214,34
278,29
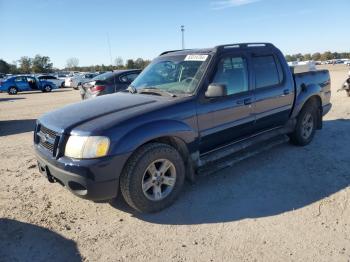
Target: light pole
x,y
183,36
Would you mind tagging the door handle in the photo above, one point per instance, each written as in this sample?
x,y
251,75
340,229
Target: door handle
x,y
246,101
286,91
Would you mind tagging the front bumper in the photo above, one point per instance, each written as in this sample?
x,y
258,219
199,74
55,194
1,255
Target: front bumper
x,y
93,179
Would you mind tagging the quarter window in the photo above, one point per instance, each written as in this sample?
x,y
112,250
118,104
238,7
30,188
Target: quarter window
x,y
232,71
266,72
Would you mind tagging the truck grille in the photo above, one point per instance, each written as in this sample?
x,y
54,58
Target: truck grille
x,y
47,138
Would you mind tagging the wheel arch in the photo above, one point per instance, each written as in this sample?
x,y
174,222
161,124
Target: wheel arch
x,y
174,133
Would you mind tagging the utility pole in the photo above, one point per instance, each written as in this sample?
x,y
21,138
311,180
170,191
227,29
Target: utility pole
x,y
110,49
183,36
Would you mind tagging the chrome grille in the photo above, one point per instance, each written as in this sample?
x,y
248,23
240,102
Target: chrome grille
x,y
47,138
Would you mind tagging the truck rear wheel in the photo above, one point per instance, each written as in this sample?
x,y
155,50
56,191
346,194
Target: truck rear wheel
x,y
153,178
306,125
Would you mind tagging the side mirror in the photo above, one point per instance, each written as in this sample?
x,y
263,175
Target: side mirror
x,y
216,90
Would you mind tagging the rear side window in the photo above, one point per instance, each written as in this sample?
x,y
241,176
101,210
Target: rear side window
x,y
266,71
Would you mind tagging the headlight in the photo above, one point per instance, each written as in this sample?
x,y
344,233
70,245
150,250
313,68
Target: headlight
x,y
87,146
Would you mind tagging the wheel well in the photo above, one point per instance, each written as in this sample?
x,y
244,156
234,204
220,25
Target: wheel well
x,y
176,143
316,100
181,147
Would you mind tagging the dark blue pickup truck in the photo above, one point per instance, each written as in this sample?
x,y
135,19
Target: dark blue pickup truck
x,y
188,110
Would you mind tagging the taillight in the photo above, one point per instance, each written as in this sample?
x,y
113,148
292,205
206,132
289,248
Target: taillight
x,y
97,88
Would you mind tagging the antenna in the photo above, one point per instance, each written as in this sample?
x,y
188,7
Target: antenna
x,y
183,36
109,47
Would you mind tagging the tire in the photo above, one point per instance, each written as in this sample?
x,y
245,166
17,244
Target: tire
x,y
62,85
348,93
136,178
306,125
12,90
47,88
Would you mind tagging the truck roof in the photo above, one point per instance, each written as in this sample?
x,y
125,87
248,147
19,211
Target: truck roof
x,y
219,48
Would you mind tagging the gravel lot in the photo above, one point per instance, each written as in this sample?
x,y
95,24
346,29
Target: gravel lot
x,y
286,204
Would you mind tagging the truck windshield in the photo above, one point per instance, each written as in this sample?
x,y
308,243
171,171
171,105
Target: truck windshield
x,y
174,74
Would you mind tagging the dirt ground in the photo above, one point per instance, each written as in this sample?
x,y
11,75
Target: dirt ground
x,y
287,204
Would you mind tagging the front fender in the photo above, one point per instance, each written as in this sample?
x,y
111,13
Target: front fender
x,y
304,95
156,129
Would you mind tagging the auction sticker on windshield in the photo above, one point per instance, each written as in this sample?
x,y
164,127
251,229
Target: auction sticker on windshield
x,y
196,57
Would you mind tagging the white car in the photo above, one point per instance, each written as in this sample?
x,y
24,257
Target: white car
x,y
76,80
347,62
58,82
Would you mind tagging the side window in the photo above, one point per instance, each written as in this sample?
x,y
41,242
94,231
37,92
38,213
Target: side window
x,y
232,71
20,79
131,77
266,72
124,78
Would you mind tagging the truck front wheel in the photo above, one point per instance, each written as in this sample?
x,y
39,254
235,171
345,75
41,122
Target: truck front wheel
x,y
153,177
306,126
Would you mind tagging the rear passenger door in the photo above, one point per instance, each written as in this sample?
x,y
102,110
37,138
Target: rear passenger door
x,y
225,119
22,83
274,95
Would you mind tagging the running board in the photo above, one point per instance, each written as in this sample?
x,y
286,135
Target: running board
x,y
211,166
244,148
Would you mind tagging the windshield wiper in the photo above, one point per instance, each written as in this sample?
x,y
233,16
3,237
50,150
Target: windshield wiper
x,y
153,90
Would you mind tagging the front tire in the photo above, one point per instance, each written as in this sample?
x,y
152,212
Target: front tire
x,y
153,178
306,125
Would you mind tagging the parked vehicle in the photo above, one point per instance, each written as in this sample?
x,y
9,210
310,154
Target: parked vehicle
x,y
58,82
2,76
108,83
20,83
76,80
188,110
347,62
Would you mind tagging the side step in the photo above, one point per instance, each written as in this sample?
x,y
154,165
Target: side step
x,y
216,161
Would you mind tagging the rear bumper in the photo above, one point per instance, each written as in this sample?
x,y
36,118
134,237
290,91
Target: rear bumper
x,y
93,179
326,109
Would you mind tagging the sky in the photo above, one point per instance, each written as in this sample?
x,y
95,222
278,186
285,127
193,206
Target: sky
x,y
62,29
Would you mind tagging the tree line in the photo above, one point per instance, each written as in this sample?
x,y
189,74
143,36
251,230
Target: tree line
x,y
43,64
318,56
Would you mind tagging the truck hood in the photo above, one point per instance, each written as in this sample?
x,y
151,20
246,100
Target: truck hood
x,y
65,119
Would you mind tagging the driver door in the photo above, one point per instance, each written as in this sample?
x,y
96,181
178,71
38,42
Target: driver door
x,y
223,120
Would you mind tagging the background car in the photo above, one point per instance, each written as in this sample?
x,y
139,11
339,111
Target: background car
x,y
58,82
108,83
76,80
13,85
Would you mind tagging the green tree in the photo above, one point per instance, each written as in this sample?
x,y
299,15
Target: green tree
x,y
4,67
41,64
25,64
130,64
316,56
327,56
307,57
